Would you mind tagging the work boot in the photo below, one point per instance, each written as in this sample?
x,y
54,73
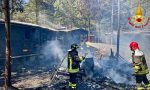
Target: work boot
x,y
140,88
147,87
70,85
70,88
73,88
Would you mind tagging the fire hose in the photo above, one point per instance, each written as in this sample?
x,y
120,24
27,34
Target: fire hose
x,y
57,69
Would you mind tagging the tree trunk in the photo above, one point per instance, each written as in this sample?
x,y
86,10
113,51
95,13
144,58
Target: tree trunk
x,y
1,7
1,15
37,11
89,28
8,50
118,32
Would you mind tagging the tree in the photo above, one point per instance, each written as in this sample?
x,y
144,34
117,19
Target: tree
x,y
8,50
7,8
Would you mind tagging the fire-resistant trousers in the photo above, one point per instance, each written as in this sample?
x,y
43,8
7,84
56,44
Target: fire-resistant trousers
x,y
72,81
142,78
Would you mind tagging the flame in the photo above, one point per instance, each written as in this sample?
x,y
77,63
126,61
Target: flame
x,y
139,11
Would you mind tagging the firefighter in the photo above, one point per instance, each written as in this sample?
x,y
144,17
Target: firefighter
x,y
139,66
73,65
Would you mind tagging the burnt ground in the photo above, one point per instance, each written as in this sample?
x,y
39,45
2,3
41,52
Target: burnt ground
x,y
35,76
38,78
41,81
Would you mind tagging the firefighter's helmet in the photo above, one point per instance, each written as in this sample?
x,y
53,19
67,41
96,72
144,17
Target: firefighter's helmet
x,y
74,46
134,46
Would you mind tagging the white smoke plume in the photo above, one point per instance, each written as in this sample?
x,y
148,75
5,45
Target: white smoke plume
x,y
53,51
119,71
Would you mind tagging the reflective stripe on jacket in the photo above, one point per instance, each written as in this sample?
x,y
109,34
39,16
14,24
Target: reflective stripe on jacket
x,y
74,61
139,63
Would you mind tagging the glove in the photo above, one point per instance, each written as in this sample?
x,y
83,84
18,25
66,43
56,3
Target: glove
x,y
83,57
136,68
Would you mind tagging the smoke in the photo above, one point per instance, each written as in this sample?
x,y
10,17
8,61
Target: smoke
x,y
126,53
143,41
116,76
119,71
120,74
53,52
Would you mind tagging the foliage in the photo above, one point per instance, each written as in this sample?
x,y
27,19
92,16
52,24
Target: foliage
x,y
62,12
29,13
70,13
15,6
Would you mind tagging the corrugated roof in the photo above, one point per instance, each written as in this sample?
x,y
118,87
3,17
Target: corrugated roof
x,y
35,25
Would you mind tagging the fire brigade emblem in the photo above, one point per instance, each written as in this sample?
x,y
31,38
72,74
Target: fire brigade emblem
x,y
138,21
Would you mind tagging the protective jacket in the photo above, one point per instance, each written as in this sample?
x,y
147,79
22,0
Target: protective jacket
x,y
74,61
139,63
